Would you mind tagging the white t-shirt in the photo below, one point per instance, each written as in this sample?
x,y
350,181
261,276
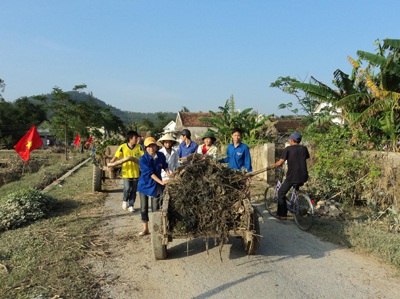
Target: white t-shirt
x,y
172,160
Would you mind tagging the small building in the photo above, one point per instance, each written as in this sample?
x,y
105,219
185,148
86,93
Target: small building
x,y
192,122
281,127
170,127
44,132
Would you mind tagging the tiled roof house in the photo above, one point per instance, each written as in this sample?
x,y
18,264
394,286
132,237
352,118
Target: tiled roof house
x,y
283,126
192,122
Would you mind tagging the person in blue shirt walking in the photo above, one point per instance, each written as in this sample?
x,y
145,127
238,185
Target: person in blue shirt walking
x,y
237,153
150,182
187,146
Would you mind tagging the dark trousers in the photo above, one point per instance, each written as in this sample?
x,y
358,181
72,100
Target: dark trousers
x,y
282,207
144,205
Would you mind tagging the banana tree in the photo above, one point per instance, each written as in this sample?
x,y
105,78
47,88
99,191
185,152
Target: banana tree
x,y
317,94
381,107
228,118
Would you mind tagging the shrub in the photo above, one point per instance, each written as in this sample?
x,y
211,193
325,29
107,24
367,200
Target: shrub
x,y
338,170
24,207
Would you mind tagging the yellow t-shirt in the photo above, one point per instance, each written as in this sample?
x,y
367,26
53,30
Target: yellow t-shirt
x,y
130,169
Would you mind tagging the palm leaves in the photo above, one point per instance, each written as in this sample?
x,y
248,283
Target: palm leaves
x,y
228,117
318,90
344,83
368,101
380,101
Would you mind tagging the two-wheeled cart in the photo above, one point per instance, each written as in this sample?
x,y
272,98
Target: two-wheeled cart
x,y
100,171
162,234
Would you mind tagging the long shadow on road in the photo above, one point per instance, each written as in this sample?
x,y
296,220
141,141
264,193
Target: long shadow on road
x,y
221,288
285,239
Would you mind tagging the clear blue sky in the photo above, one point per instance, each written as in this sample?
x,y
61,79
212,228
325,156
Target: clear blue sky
x,y
150,56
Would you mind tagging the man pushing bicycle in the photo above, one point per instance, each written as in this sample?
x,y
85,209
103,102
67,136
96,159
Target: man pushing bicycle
x,y
297,174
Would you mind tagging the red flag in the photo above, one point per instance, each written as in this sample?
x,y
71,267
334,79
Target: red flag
x,y
89,141
28,143
77,140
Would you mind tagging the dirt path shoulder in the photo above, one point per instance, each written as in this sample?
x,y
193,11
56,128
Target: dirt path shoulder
x,y
290,264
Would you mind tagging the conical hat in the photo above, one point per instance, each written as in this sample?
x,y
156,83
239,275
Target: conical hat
x,y
170,138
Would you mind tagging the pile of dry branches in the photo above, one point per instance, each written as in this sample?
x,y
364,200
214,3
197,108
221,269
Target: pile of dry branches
x,y
206,199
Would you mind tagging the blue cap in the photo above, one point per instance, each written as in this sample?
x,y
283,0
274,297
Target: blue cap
x,y
296,136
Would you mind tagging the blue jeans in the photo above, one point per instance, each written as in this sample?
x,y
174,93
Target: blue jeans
x,y
130,188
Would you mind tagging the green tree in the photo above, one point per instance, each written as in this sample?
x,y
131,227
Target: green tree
x,y
228,117
16,119
368,99
29,113
7,129
62,109
222,120
90,116
184,109
110,122
378,108
133,126
69,116
147,124
288,85
317,93
2,87
161,121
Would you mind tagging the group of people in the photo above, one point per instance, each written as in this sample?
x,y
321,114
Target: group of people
x,y
149,169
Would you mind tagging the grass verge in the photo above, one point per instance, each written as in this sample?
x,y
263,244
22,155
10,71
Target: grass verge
x,y
45,258
365,238
52,167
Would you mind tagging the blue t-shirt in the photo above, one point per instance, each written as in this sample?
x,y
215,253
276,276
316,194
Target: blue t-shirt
x,y
148,166
238,157
184,150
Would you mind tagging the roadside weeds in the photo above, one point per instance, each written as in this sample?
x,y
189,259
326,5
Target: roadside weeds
x,y
46,258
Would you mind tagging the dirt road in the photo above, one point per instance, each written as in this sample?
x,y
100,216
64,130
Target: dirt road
x,y
290,264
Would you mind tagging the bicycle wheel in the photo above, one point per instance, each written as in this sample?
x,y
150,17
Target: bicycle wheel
x,y
271,200
303,211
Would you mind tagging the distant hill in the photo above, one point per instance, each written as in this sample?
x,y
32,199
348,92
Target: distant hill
x,y
126,116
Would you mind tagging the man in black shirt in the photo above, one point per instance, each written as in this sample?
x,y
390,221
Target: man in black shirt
x,y
296,156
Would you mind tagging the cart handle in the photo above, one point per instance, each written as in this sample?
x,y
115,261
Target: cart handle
x,y
253,173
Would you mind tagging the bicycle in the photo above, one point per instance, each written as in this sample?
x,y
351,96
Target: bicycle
x,y
300,205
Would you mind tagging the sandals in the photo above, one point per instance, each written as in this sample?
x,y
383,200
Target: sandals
x,y
141,234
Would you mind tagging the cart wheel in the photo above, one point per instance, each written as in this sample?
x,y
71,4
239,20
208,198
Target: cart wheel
x,y
159,249
253,245
97,174
255,242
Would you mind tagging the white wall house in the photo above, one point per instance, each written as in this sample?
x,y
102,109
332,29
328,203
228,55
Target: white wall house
x,y
170,127
337,120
